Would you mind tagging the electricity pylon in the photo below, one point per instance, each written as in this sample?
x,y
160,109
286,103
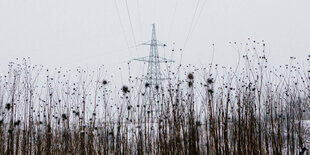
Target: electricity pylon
x,y
154,75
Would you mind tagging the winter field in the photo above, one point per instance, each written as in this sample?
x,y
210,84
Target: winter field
x,y
253,108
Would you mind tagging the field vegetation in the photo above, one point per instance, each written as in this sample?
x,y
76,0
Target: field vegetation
x,y
253,108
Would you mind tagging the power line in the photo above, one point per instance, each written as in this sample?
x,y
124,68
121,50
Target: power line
x,y
199,15
173,19
191,25
121,23
139,19
128,13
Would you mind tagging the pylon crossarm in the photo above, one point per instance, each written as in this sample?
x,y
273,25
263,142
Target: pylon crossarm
x,y
146,59
150,43
165,60
142,59
161,44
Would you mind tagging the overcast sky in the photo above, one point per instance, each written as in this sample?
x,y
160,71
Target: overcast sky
x,y
94,32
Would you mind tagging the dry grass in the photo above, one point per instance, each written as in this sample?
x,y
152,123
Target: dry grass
x,y
256,110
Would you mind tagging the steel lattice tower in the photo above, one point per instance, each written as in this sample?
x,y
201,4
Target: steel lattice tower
x,y
154,75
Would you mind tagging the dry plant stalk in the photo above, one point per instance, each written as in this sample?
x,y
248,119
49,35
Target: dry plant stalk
x,y
257,110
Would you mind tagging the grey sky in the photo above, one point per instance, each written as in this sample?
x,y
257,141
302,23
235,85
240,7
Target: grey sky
x,y
89,32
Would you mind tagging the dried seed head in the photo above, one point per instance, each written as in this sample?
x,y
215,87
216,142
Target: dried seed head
x,y
210,91
147,85
8,106
125,89
64,116
190,76
210,80
104,82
